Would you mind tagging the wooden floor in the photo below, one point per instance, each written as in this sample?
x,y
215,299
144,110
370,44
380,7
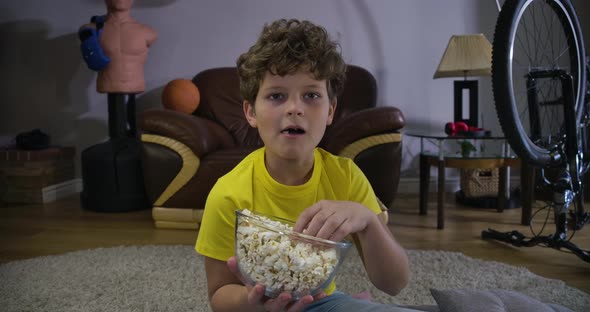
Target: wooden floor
x,y
35,230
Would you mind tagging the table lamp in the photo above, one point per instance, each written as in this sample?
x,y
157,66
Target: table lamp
x,y
466,55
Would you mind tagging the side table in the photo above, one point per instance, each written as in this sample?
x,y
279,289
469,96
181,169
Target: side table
x,y
491,152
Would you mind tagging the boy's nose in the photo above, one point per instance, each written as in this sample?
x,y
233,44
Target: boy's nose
x,y
295,107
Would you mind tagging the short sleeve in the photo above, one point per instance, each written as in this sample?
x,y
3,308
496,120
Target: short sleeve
x,y
216,234
361,190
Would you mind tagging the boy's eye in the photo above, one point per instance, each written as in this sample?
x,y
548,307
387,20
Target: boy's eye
x,y
312,95
276,96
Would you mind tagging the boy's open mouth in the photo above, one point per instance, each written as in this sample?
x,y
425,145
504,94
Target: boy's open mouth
x,y
293,130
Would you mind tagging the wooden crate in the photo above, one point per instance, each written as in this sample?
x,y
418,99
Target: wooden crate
x,y
26,175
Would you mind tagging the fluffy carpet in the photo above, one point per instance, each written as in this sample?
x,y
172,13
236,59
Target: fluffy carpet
x,y
171,278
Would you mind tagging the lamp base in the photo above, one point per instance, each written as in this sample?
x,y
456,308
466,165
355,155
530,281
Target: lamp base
x,y
459,86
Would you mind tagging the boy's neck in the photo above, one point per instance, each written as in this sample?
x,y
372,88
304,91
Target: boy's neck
x,y
289,172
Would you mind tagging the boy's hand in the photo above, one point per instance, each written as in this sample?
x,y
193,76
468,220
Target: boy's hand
x,y
334,220
281,303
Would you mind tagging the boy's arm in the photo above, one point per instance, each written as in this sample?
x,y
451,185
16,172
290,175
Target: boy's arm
x,y
386,261
226,292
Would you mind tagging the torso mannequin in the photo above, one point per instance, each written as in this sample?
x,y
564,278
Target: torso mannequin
x,y
111,170
126,42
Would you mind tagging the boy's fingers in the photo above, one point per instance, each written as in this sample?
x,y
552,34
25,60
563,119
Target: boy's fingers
x,y
279,303
311,219
300,304
256,294
305,217
232,264
323,222
319,296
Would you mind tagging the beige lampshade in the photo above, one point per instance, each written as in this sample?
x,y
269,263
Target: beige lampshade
x,y
466,55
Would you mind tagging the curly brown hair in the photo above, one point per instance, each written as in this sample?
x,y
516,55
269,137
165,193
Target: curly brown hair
x,y
286,46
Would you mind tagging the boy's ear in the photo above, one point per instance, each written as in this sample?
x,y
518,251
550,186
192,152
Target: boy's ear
x,y
250,113
331,111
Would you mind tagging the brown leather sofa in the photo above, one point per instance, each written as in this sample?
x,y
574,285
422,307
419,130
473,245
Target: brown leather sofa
x,y
183,155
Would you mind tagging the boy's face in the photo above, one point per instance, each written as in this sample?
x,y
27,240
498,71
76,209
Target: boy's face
x,y
291,114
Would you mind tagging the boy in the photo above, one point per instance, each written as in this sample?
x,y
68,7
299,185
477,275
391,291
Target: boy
x,y
290,80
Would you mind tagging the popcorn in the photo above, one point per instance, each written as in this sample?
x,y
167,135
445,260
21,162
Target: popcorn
x,y
276,260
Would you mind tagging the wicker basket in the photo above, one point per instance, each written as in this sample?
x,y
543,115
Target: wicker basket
x,y
480,182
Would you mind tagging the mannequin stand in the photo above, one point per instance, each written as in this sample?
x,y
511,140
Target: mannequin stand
x,y
111,171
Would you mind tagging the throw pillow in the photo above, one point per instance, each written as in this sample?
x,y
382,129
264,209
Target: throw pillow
x,y
497,300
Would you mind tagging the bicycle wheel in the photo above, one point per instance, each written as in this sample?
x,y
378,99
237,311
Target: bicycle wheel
x,y
532,37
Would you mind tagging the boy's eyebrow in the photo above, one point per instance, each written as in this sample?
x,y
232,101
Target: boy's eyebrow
x,y
319,85
280,87
273,88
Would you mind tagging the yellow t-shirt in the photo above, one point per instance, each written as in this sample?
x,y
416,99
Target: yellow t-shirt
x,y
250,186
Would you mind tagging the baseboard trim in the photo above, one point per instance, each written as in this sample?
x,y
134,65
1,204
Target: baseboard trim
x,y
56,191
411,185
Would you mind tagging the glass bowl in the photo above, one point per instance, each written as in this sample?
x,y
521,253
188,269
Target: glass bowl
x,y
269,253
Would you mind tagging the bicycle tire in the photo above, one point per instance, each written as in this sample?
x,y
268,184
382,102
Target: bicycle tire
x,y
508,63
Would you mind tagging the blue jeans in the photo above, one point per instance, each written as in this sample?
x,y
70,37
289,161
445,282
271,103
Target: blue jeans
x,y
339,301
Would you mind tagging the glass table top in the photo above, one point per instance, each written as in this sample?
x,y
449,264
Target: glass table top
x,y
443,136
441,145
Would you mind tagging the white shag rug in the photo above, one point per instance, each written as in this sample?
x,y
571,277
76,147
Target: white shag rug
x,y
171,278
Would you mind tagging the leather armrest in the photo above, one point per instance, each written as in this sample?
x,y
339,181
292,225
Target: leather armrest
x,y
361,124
201,135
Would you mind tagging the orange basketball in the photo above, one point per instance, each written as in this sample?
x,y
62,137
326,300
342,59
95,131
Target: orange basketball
x,y
181,95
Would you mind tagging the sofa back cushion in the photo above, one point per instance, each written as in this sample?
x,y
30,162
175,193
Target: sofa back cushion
x,y
360,92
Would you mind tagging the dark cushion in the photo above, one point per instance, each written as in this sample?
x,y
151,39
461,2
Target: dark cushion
x,y
497,300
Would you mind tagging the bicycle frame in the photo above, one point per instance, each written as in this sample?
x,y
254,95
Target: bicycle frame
x,y
568,184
